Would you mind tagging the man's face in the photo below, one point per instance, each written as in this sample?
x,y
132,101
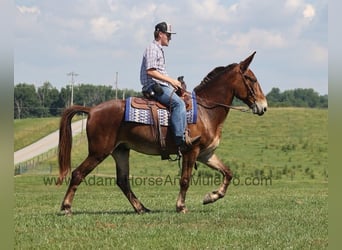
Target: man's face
x,y
165,38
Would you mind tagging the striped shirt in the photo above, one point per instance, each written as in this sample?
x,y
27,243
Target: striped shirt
x,y
153,59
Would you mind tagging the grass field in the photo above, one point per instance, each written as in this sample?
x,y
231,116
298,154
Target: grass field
x,y
278,199
28,131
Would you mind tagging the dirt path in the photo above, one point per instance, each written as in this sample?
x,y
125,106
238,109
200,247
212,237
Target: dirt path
x,y
46,143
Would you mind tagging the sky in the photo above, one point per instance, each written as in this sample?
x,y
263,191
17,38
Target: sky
x,y
99,39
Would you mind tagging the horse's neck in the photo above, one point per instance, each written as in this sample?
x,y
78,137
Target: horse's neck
x,y
217,93
216,99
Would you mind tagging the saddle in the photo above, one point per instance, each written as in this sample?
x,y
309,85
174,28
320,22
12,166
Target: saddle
x,y
158,117
147,111
144,103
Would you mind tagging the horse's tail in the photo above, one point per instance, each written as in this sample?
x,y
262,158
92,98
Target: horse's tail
x,y
65,140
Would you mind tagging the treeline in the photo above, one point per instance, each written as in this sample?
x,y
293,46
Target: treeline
x,y
46,100
306,98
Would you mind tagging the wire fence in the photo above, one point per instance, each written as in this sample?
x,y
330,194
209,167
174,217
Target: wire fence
x,y
34,164
38,165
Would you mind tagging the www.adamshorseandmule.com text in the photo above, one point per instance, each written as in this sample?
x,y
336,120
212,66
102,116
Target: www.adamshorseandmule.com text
x,y
167,180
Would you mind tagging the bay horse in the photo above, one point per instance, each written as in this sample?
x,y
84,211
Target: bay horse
x,y
108,134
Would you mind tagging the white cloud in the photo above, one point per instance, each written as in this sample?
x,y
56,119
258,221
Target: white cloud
x,y
319,54
102,28
67,50
211,10
209,33
300,16
257,38
113,5
70,24
309,11
34,10
27,22
137,12
293,4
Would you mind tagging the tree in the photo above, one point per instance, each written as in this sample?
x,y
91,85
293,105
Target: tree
x,y
48,97
89,95
323,101
25,101
48,101
65,97
296,98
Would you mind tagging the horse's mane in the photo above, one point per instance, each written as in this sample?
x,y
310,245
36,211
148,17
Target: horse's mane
x,y
216,72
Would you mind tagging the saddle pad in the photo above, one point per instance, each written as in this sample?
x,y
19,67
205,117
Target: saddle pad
x,y
144,116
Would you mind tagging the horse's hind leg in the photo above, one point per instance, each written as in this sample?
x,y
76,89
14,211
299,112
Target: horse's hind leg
x,y
77,177
121,157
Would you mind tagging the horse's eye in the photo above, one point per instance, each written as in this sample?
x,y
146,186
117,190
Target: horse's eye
x,y
252,79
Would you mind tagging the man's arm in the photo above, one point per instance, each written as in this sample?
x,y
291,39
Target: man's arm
x,y
157,75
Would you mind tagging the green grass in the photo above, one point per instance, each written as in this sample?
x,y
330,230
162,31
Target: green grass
x,y
282,215
27,131
288,143
287,147
285,143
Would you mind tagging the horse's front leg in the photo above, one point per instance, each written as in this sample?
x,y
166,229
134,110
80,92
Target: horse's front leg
x,y
215,163
184,182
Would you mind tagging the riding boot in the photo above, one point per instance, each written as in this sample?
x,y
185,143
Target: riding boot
x,y
188,142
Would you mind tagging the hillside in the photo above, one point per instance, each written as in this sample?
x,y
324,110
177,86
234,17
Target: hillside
x,y
284,143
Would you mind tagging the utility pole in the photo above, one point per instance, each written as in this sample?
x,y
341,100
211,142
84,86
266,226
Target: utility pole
x,y
116,86
72,74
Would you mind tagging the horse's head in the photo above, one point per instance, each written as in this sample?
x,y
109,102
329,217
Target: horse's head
x,y
248,89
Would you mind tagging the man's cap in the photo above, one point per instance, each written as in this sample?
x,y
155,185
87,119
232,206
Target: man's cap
x,y
164,27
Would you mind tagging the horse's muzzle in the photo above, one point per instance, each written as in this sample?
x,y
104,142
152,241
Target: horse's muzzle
x,y
259,108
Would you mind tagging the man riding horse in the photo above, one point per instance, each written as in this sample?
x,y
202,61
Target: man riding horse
x,y
109,134
156,84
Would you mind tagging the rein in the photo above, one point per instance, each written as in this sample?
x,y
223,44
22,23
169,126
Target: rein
x,y
216,104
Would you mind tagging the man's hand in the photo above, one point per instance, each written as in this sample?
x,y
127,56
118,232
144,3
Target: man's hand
x,y
176,84
155,74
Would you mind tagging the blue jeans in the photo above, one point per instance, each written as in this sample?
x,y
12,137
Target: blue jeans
x,y
178,112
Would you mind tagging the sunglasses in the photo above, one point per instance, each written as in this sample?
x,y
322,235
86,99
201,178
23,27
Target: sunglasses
x,y
167,34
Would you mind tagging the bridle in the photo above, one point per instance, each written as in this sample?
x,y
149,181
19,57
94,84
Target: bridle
x,y
216,104
251,91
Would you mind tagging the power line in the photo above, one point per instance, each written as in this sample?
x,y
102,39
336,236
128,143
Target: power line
x,y
72,74
116,86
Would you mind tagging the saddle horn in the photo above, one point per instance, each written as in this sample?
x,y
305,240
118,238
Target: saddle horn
x,y
181,91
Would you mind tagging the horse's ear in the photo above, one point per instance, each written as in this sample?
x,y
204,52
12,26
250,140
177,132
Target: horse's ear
x,y
245,63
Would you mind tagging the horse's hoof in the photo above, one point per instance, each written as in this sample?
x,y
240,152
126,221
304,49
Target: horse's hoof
x,y
143,211
207,199
66,210
182,210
